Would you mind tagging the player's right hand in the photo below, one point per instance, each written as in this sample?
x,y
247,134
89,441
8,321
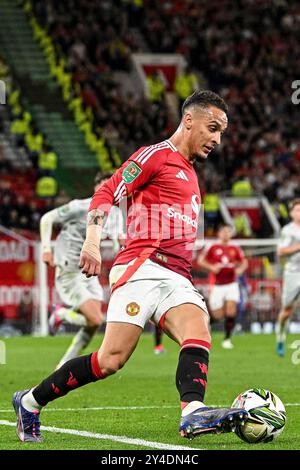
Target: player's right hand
x,y
48,258
217,268
90,266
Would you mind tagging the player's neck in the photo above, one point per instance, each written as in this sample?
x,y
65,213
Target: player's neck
x,y
178,141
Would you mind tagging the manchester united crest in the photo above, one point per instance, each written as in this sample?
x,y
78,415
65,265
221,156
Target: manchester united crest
x,y
132,309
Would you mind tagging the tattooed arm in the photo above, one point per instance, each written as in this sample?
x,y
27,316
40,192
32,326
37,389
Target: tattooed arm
x,y
132,175
90,259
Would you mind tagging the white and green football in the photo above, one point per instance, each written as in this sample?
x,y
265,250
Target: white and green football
x,y
266,412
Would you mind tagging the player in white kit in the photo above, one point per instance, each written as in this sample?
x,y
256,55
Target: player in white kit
x,y
289,246
81,296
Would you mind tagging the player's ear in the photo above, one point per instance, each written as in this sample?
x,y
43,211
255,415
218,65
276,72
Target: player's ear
x,y
187,120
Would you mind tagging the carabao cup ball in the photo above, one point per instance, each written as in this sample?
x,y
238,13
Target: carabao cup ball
x,y
266,412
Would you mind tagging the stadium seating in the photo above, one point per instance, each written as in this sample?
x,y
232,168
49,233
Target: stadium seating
x,y
31,71
261,142
262,138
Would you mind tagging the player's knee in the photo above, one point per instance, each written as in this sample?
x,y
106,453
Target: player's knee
x,y
112,366
95,320
202,333
207,336
230,314
111,363
217,314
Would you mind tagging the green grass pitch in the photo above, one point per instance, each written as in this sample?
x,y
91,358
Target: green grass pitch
x,y
147,381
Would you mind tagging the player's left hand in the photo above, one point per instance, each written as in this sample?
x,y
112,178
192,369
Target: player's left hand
x,y
90,266
239,271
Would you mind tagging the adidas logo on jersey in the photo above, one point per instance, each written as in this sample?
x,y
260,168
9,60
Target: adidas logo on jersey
x,y
181,175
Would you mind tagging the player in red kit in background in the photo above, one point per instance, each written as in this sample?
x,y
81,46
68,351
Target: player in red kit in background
x,y
227,262
151,278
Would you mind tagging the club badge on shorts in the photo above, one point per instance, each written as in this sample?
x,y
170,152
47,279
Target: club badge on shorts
x,y
132,309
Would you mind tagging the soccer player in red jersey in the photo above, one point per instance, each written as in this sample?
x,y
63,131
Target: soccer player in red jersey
x,y
226,261
151,277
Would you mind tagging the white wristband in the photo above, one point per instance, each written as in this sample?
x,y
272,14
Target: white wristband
x,y
92,241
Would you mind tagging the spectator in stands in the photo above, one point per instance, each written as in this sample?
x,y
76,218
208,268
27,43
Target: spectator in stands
x,y
24,222
242,224
12,221
48,206
242,188
286,191
34,143
46,187
47,162
5,208
5,165
19,127
211,208
35,215
111,133
22,207
118,55
156,87
14,101
89,96
185,84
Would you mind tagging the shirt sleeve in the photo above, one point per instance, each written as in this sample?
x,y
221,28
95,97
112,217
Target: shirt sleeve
x,y
60,215
137,171
71,210
240,255
285,239
46,225
208,253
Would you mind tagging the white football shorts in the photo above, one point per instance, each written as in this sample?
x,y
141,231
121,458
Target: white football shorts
x,y
74,288
290,289
149,294
222,293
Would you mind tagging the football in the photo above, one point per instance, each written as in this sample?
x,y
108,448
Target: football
x,y
267,415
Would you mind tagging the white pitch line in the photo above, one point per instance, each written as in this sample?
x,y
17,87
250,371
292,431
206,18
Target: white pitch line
x,y
109,437
103,408
291,404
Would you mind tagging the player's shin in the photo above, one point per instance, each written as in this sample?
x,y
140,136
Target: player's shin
x,y
229,326
73,374
281,329
191,375
158,335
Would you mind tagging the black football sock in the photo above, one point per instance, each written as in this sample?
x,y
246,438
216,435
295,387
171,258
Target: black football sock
x,y
158,335
191,375
229,325
73,374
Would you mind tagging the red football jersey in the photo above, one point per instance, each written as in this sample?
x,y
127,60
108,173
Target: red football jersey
x,y
164,205
229,256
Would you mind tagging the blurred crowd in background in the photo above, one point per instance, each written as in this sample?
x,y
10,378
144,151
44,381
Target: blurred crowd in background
x,y
248,51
